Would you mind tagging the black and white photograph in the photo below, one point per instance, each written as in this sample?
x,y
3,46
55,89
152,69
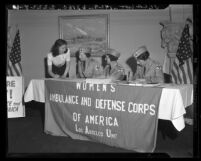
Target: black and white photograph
x,y
102,81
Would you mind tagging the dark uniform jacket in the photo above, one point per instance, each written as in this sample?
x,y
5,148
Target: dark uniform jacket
x,y
116,73
152,72
92,69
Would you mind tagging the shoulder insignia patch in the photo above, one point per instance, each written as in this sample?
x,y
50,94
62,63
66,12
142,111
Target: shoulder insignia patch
x,y
158,67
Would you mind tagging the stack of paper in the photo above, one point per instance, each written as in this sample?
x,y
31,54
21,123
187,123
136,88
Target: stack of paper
x,y
151,85
134,83
98,81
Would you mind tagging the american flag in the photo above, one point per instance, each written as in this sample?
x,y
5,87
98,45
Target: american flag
x,y
14,59
182,70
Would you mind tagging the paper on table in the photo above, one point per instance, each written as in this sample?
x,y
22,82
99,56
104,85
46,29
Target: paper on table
x,y
132,83
143,82
98,81
151,85
137,82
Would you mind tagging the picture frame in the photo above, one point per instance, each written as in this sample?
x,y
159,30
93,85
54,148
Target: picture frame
x,y
85,30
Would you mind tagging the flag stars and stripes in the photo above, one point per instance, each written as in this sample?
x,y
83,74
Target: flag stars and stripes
x,y
15,55
14,62
182,71
184,51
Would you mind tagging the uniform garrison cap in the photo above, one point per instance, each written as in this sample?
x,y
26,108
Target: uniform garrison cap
x,y
139,51
113,52
85,49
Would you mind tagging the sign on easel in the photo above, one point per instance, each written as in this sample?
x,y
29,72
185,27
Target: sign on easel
x,y
15,88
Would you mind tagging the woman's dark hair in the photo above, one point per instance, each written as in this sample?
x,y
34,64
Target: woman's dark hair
x,y
112,58
88,55
77,53
103,61
57,44
144,56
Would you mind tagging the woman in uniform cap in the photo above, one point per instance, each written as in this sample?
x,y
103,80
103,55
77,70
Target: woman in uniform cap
x,y
113,69
147,69
87,66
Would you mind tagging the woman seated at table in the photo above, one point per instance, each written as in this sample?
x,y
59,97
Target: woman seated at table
x,y
87,66
113,69
147,69
58,60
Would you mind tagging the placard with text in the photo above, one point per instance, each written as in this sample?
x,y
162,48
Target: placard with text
x,y
15,90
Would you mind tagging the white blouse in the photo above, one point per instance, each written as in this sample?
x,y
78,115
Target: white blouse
x,y
58,60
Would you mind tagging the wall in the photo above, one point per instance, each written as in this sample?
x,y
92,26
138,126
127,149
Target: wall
x,y
128,29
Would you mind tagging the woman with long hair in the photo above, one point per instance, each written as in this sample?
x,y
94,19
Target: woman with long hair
x,y
58,60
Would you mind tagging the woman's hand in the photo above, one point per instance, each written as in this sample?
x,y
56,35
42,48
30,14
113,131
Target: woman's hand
x,y
56,76
63,76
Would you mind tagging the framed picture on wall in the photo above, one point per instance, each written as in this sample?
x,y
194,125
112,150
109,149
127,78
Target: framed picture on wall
x,y
85,30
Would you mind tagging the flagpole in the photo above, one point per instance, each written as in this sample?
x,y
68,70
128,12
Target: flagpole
x,y
170,58
8,47
171,54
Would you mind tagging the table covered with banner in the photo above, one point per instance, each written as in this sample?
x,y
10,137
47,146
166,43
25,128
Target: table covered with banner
x,y
119,115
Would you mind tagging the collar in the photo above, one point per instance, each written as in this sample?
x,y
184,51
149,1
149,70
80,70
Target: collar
x,y
113,64
148,63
